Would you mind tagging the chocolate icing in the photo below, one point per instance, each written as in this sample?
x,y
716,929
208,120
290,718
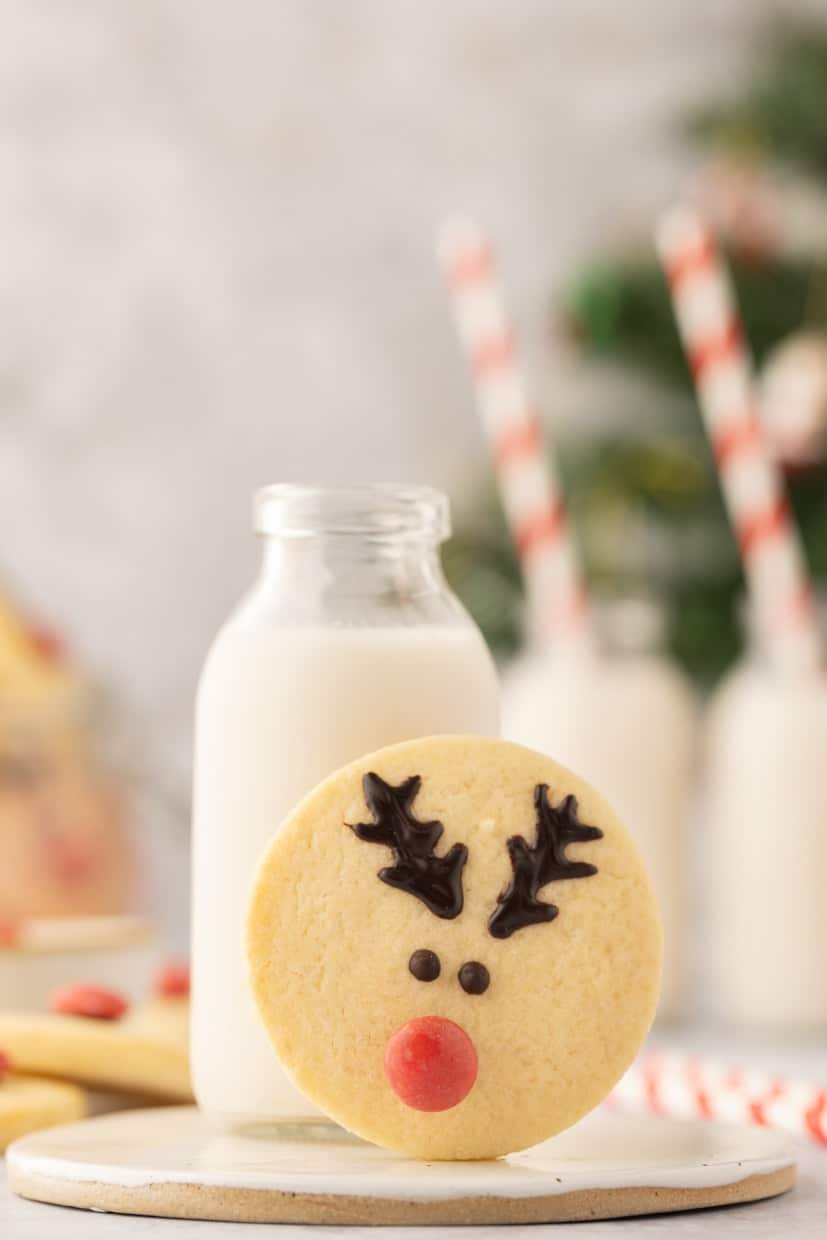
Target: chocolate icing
x,y
436,881
544,862
424,965
474,978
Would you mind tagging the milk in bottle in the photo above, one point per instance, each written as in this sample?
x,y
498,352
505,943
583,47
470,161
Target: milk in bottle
x,y
350,640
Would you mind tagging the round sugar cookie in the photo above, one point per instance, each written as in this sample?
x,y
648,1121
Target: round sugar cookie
x,y
28,1104
454,947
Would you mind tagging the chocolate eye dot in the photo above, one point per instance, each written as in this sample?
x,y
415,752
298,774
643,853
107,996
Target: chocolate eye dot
x,y
424,965
474,977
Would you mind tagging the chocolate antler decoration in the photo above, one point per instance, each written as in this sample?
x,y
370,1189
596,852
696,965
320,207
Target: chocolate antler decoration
x,y
557,826
436,881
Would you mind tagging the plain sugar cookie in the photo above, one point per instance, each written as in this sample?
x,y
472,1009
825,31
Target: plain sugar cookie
x,y
454,947
131,1056
28,1104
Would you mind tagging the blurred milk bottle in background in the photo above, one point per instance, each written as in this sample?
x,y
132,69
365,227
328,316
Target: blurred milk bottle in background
x,y
624,717
765,826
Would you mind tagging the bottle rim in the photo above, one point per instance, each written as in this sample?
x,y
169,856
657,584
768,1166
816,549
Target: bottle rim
x,y
376,511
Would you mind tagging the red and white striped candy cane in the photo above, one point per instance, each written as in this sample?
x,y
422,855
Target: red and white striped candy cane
x,y
529,486
717,352
690,1087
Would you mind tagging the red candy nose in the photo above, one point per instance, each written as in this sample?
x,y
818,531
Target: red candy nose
x,y
431,1063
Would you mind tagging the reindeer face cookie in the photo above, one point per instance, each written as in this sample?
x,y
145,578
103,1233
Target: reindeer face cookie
x,y
454,947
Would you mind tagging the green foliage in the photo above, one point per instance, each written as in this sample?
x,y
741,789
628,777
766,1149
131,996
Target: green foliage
x,y
646,512
647,509
781,113
808,493
649,518
703,627
482,568
622,309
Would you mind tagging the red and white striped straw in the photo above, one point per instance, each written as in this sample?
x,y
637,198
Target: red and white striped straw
x,y
527,479
689,1087
717,351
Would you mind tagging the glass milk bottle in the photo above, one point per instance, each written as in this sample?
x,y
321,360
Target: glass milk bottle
x,y
765,824
624,716
349,640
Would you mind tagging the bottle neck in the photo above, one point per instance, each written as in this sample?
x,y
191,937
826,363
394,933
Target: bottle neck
x,y
761,652
342,572
364,555
632,626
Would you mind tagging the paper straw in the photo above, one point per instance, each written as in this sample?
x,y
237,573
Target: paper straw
x,y
716,350
689,1087
527,478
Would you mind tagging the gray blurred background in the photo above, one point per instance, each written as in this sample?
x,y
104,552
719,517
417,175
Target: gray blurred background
x,y
216,267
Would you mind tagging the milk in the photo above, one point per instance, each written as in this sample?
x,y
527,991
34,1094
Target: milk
x,y
278,709
628,724
765,845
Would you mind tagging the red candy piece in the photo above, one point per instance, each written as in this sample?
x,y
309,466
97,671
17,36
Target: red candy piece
x,y
5,1064
173,980
9,931
47,642
82,999
431,1063
71,860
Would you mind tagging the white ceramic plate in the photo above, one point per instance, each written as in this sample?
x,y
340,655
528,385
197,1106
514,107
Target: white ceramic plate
x,y
170,1163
